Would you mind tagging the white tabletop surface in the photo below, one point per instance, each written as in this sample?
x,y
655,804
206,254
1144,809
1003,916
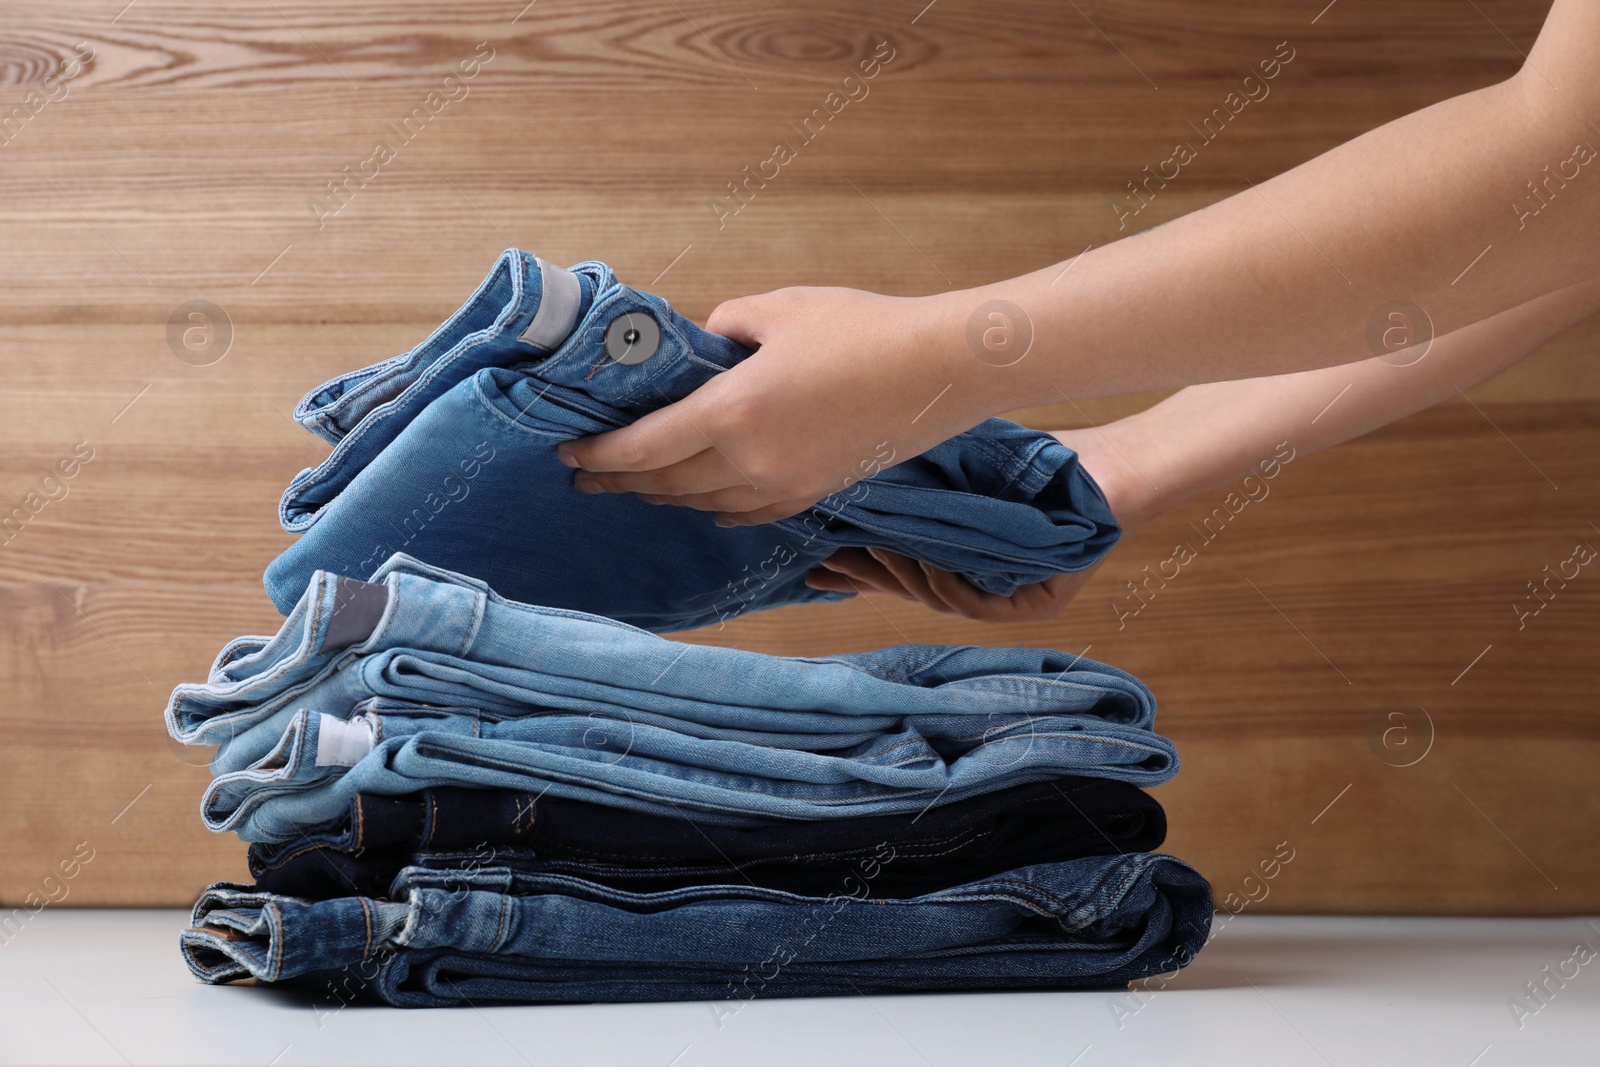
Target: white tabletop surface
x,y
108,987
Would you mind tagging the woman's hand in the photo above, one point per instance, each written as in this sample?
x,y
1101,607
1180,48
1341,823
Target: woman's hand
x,y
840,380
874,570
1246,287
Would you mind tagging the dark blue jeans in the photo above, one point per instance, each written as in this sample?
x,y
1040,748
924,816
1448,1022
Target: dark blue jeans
x,y
491,934
447,453
944,846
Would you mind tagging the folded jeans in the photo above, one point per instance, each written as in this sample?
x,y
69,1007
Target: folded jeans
x,y
447,453
449,684
940,847
322,762
496,935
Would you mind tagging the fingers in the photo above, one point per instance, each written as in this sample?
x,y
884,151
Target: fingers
x,y
831,582
737,503
669,435
852,570
934,588
764,514
701,475
659,439
734,500
953,594
910,575
876,570
961,596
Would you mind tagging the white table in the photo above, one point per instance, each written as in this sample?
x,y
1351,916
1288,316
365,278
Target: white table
x,y
108,987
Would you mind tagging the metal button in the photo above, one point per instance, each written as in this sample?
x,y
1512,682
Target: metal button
x,y
632,338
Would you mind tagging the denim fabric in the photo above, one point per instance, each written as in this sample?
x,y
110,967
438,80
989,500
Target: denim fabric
x,y
496,935
1045,822
447,453
928,759
457,686
437,819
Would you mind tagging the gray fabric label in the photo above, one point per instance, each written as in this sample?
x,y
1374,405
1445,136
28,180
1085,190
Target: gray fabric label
x,y
558,308
357,607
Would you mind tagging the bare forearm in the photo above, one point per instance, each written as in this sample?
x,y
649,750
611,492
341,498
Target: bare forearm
x,y
1288,274
1208,435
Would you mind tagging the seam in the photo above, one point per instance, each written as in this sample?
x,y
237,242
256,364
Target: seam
x,y
276,923
986,736
432,751
524,814
914,850
502,930
1095,738
366,918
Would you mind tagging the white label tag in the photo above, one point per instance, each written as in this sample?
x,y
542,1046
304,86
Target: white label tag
x,y
343,744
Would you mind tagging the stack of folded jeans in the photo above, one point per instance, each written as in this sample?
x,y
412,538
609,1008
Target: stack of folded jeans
x,y
469,771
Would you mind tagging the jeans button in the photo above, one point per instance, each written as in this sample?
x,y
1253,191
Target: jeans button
x,y
632,338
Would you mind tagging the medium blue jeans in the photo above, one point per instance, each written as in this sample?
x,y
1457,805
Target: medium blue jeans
x,y
474,936
447,453
449,684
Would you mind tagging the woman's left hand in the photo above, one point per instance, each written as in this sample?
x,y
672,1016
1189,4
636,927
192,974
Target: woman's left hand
x,y
876,570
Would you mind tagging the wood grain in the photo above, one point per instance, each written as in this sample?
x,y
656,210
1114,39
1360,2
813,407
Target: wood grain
x,y
1375,581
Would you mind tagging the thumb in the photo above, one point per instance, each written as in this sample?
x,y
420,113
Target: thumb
x,y
665,436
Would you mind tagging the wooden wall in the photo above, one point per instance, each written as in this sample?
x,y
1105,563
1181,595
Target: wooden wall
x,y
181,164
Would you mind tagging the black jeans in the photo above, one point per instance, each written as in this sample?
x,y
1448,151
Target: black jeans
x,y
896,855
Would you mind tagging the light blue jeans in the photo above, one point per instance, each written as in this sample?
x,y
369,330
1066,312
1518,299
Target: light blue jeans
x,y
446,683
447,453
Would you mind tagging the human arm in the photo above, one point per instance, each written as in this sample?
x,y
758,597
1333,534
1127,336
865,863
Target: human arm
x,y
1282,277
1210,435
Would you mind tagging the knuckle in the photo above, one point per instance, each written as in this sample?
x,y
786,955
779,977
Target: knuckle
x,y
761,473
738,410
777,301
725,314
633,453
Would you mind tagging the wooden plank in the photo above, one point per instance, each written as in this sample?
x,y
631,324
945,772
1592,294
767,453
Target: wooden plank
x,y
1375,581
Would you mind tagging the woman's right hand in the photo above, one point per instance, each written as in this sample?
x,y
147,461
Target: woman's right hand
x,y
842,383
